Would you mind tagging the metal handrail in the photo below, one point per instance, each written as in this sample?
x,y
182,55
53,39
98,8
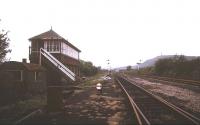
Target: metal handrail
x,y
58,64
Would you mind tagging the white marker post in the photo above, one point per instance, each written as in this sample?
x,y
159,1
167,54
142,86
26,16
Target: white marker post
x,y
99,87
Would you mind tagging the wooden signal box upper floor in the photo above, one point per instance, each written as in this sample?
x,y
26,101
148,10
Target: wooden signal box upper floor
x,y
60,48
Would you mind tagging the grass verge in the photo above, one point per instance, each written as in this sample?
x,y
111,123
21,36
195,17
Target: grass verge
x,y
11,113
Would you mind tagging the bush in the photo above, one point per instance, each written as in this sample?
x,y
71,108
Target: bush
x,y
87,68
178,67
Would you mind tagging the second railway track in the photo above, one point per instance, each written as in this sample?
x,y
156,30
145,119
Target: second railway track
x,y
171,80
151,109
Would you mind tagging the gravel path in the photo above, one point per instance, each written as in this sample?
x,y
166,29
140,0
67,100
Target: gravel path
x,y
85,106
91,108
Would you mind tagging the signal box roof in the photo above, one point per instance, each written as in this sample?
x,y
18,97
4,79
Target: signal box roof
x,y
49,35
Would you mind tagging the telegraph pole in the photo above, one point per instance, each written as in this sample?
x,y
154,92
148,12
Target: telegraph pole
x,y
108,63
138,65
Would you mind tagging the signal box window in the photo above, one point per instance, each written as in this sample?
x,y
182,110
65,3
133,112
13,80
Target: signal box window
x,y
53,46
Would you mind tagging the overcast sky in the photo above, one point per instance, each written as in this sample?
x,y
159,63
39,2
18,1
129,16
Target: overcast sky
x,y
123,31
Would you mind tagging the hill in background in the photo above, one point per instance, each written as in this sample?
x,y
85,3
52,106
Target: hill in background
x,y
151,62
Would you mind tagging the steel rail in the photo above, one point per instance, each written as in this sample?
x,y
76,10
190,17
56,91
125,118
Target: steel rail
x,y
137,111
169,80
181,112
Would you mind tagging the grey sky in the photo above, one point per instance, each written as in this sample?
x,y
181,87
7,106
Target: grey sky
x,y
123,31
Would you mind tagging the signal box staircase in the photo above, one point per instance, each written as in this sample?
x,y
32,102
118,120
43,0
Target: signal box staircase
x,y
55,67
55,72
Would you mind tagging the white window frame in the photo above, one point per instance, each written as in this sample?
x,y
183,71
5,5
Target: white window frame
x,y
69,51
51,45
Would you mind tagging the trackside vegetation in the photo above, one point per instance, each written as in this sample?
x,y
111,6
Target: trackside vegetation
x,y
176,67
88,69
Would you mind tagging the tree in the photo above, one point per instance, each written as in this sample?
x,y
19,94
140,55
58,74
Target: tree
x,y
163,66
179,67
128,68
87,68
4,44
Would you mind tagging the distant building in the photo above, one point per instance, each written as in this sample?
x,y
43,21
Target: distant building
x,y
56,45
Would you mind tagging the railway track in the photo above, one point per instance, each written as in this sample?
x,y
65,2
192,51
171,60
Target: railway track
x,y
151,109
170,80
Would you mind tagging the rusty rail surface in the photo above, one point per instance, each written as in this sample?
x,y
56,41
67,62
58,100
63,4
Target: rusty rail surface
x,y
151,109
